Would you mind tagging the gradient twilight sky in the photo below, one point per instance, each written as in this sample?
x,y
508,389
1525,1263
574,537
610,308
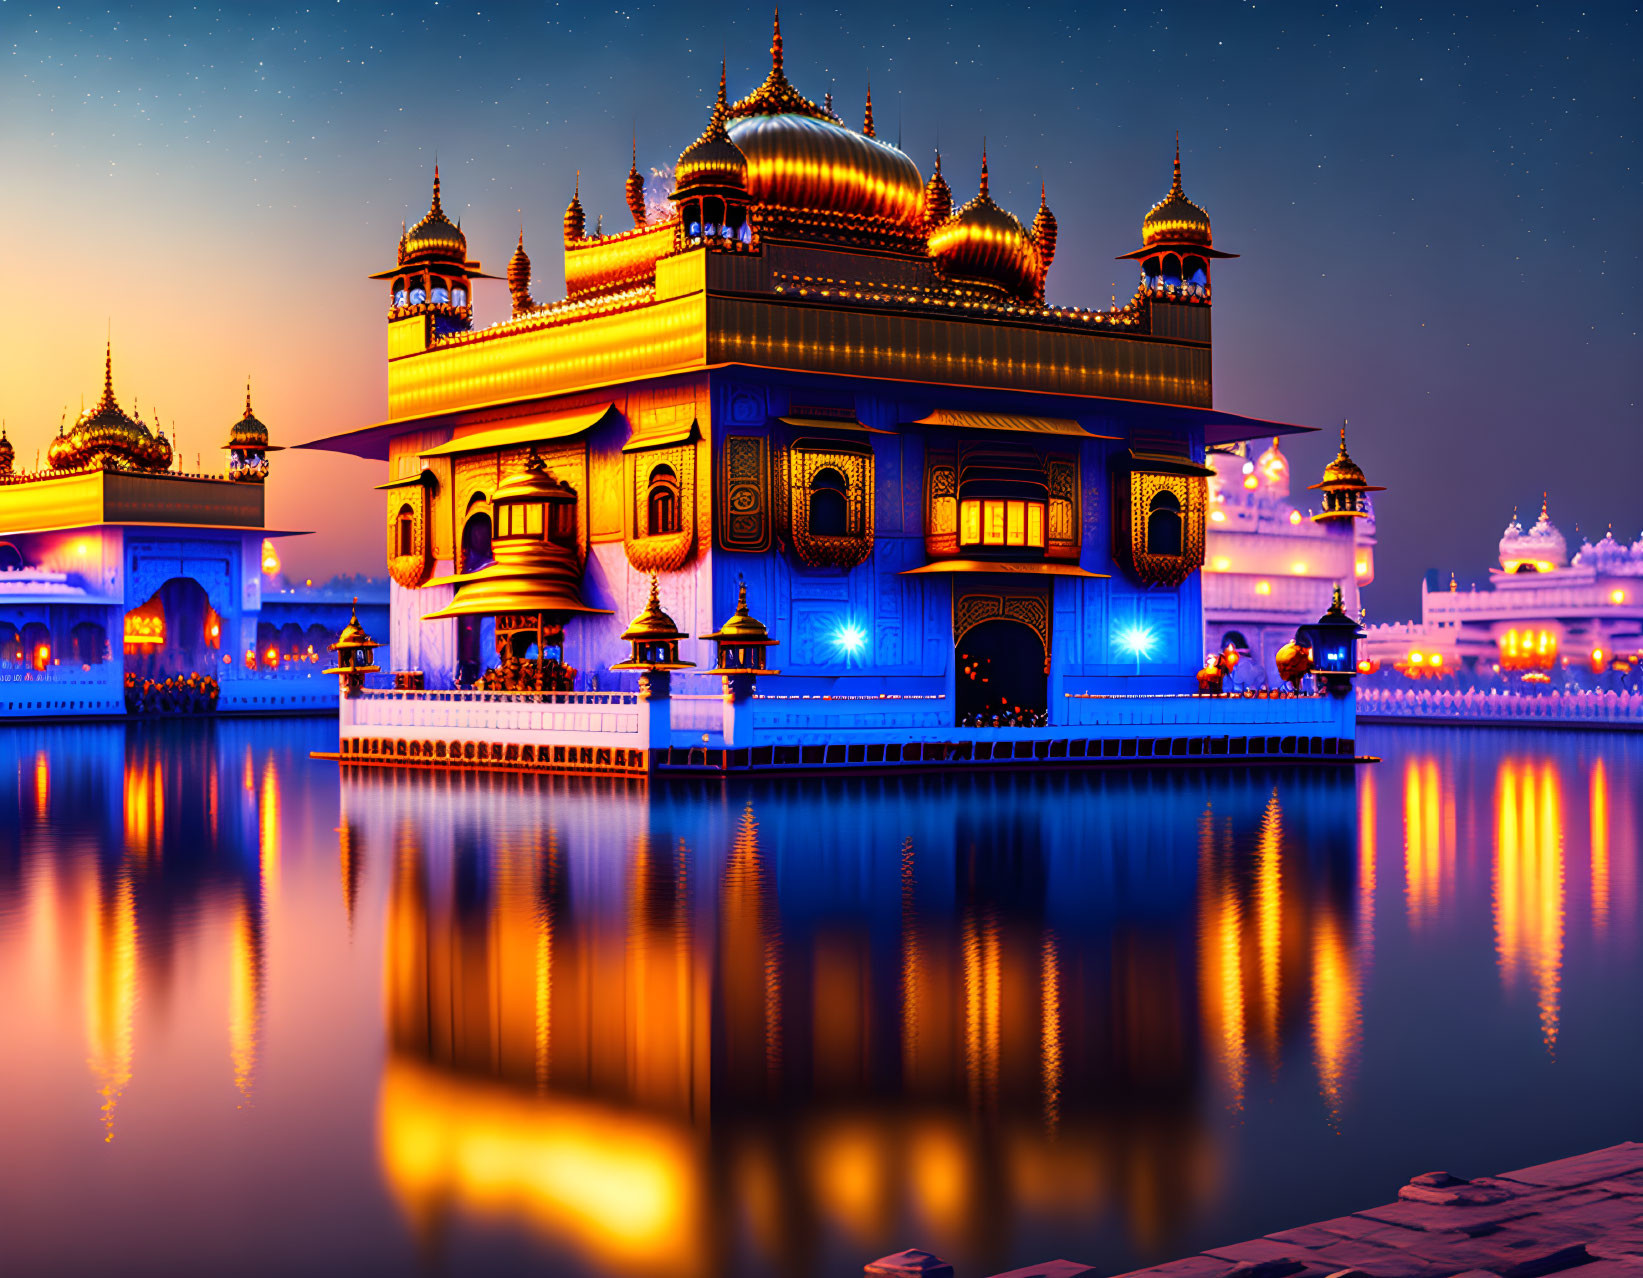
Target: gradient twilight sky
x,y
1438,212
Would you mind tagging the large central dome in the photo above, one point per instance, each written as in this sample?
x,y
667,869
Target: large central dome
x,y
807,165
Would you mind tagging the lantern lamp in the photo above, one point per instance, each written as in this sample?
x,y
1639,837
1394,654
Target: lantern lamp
x,y
1333,640
356,655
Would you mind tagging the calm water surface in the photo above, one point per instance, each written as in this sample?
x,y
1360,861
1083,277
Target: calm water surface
x,y
262,1019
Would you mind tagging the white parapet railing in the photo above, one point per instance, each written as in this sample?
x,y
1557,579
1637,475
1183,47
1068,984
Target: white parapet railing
x,y
569,716
1619,709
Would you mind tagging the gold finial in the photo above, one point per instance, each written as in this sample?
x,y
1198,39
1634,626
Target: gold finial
x,y
1453,584
1543,513
867,122
108,376
741,588
776,45
827,102
1175,184
723,103
248,394
434,208
937,173
984,194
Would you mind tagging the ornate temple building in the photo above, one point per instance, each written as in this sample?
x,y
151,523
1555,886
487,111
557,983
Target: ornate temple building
x,y
1543,610
1270,567
118,568
820,376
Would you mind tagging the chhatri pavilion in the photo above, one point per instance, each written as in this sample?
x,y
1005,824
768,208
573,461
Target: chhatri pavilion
x,y
820,391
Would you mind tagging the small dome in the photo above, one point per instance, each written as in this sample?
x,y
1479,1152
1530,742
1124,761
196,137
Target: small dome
x,y
248,432
576,222
983,244
712,160
1176,219
353,634
105,435
7,453
1343,472
435,236
938,197
652,625
1541,547
742,626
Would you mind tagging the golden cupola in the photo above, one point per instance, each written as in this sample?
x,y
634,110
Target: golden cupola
x,y
576,221
1044,233
1175,219
105,436
1343,487
248,446
712,161
635,189
983,245
434,237
811,177
654,638
538,568
938,198
519,277
7,454
1176,244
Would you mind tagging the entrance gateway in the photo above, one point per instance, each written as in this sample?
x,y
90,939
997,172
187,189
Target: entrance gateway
x,y
1001,658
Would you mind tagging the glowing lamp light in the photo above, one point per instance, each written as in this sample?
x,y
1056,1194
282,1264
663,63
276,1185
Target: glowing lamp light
x,y
1249,481
1222,563
1218,516
850,639
1294,516
1249,469
81,548
1137,641
1617,596
1415,658
1362,567
42,656
1263,587
1298,568
270,560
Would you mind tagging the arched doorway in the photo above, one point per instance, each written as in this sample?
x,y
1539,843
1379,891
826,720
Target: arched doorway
x,y
473,634
1002,679
177,632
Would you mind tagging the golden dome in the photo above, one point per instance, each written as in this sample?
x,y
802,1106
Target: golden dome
x,y
7,453
982,244
1343,472
105,435
652,625
353,634
533,481
248,432
801,160
576,221
1175,219
712,160
435,236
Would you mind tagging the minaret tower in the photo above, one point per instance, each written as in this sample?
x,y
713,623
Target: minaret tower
x,y
248,446
433,276
1176,245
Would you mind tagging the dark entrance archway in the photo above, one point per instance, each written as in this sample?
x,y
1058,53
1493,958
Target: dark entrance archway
x,y
177,632
1001,678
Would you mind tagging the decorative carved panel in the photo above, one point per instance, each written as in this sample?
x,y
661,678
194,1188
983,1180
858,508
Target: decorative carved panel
x,y
413,569
744,522
1063,514
799,465
1130,526
940,504
1028,606
667,551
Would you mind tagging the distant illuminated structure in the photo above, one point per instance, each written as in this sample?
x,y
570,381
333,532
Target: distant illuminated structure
x,y
114,562
819,375
1268,567
1542,610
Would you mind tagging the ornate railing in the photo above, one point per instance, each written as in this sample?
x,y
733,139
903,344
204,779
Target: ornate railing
x,y
583,699
1624,708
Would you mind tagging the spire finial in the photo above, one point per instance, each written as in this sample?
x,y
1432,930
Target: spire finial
x,y
741,593
576,191
723,103
984,194
434,207
655,598
108,373
248,394
938,163
867,121
776,44
1175,184
1543,513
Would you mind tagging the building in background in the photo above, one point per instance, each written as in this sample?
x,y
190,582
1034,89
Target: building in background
x,y
1269,567
1542,612
118,570
953,507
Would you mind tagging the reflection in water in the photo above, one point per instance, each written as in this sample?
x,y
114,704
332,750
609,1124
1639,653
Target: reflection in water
x,y
772,1029
1034,1055
1529,884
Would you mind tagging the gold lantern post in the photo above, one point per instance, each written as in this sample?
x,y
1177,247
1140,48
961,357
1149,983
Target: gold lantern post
x,y
356,655
653,641
742,650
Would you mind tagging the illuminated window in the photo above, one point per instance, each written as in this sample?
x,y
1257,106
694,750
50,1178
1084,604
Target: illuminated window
x,y
827,504
1164,524
404,526
1015,523
1035,524
993,532
519,519
969,523
1263,587
1298,568
663,512
1222,563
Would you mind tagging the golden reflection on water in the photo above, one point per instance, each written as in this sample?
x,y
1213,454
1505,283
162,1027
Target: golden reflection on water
x,y
1529,884
1598,811
1220,963
245,995
110,967
1428,839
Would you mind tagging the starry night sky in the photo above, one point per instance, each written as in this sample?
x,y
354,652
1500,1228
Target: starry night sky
x,y
1438,212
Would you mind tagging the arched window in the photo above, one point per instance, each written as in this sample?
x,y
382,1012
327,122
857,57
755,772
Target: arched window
x,y
88,644
441,294
11,645
11,558
419,295
459,297
1197,271
1151,267
1164,525
827,506
476,541
1172,269
404,532
399,292
663,513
